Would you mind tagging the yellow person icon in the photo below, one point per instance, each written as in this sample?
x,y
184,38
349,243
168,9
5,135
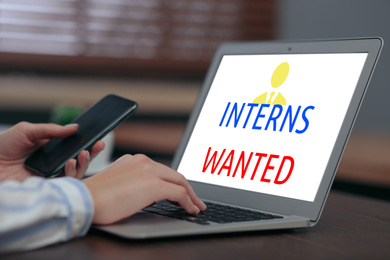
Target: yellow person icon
x,y
278,77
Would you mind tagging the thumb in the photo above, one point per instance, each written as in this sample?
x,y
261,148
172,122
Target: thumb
x,y
38,132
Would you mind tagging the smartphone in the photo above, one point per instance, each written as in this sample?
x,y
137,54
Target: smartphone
x,y
50,159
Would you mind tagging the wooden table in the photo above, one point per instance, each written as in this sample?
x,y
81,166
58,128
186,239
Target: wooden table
x,y
351,227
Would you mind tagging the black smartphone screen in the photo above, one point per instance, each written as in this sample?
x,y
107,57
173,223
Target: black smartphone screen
x,y
94,124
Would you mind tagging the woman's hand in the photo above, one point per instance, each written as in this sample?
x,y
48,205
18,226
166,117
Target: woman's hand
x,y
21,140
134,182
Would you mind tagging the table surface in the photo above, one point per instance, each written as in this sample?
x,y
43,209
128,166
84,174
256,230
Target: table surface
x,y
351,227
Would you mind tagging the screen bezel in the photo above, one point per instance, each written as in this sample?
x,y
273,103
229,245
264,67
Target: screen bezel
x,y
273,203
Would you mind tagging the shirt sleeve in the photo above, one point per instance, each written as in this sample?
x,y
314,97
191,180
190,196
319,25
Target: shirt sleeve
x,y
38,212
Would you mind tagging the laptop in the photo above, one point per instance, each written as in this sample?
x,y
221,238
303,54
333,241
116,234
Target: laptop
x,y
266,136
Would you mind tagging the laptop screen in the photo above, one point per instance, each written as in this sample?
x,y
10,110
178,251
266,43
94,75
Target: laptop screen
x,y
269,122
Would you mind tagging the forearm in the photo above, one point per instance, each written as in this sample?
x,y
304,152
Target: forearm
x,y
39,212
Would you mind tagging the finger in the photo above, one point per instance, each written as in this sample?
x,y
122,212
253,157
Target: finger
x,y
83,162
179,179
194,198
96,149
70,168
38,132
178,194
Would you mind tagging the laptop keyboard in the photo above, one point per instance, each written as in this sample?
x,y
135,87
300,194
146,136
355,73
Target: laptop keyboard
x,y
214,213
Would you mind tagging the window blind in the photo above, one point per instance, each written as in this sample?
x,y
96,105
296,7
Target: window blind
x,y
104,35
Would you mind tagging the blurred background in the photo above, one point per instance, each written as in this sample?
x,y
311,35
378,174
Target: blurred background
x,y
156,52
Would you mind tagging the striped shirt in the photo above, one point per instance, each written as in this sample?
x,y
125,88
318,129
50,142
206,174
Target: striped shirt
x,y
39,212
